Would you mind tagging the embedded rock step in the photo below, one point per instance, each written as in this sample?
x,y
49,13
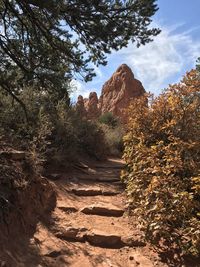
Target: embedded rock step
x,y
74,234
68,209
103,210
97,238
95,191
87,191
101,239
94,238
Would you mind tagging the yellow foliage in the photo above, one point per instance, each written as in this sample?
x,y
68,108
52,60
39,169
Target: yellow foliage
x,y
162,154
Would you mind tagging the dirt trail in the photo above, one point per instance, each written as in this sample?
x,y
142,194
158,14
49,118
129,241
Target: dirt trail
x,y
90,226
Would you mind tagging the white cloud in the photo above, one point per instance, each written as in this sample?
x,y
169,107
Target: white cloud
x,y
163,61
82,88
157,63
79,88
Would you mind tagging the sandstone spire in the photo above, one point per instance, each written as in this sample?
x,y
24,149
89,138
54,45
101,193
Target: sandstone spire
x,y
115,97
80,107
92,106
118,91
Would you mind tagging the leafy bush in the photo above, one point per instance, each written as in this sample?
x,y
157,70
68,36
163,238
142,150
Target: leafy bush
x,y
91,139
162,154
113,139
109,119
113,132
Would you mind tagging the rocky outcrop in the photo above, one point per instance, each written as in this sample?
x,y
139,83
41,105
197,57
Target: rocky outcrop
x,y
80,106
115,97
91,105
119,90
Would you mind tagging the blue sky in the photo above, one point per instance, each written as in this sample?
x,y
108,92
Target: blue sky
x,y
166,59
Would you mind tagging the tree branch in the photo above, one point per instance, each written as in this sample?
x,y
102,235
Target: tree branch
x,y
6,88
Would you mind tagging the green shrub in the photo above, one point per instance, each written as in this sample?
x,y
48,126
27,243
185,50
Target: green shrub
x,y
113,132
54,131
113,139
91,139
109,119
162,174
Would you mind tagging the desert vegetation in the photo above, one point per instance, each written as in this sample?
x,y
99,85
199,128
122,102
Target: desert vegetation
x,y
113,131
44,47
162,154
53,132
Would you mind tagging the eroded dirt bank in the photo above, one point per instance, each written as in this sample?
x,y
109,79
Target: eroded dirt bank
x,y
25,199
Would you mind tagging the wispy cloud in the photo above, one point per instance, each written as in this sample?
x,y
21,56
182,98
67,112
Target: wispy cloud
x,y
81,88
78,88
162,61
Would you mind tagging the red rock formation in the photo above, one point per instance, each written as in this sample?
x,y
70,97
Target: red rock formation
x,y
118,91
80,106
115,97
91,105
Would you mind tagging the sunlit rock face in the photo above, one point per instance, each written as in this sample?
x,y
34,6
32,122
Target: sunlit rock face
x,y
115,97
118,91
88,107
91,105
